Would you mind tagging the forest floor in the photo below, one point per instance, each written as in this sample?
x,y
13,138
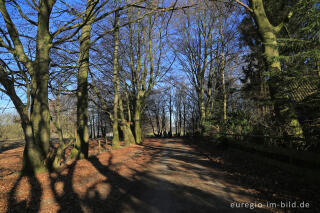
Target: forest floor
x,y
161,175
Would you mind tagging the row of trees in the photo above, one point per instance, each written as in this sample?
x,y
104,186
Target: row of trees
x,y
114,59
262,79
46,49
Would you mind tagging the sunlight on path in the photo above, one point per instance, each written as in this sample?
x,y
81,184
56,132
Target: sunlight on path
x,y
181,180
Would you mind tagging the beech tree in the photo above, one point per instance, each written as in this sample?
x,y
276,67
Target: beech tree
x,y
194,49
145,62
31,70
35,71
80,149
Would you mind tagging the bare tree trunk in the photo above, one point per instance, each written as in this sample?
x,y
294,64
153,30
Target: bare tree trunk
x,y
62,145
125,127
202,110
180,121
163,122
184,119
94,126
98,124
224,92
170,112
137,120
81,147
36,128
116,83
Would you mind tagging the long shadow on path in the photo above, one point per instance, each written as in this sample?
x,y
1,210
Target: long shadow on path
x,y
177,179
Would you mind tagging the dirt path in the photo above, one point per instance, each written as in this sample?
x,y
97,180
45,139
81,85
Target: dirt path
x,y
162,175
182,180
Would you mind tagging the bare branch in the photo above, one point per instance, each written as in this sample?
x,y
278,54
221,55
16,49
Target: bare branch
x,y
23,15
245,6
88,18
14,35
33,6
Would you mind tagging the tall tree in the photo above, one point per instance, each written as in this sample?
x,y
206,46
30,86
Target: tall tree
x,y
116,81
145,62
284,111
36,125
195,53
80,149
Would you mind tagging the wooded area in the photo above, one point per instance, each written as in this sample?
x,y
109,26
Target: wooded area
x,y
231,73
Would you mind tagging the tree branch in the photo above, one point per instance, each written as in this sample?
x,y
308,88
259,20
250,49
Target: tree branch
x,y
281,25
14,35
88,18
245,6
23,15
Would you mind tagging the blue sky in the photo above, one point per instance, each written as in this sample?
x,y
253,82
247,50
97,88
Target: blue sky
x,y
57,19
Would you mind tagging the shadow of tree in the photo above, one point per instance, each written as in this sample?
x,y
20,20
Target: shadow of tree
x,y
252,171
140,192
5,145
32,205
68,200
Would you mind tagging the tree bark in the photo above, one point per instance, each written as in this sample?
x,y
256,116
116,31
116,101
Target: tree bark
x,y
224,92
137,121
80,150
62,146
125,127
116,84
184,118
170,113
202,110
36,127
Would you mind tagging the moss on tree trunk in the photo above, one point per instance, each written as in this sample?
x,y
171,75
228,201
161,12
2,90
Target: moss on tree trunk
x,y
81,148
284,111
125,127
137,122
37,131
